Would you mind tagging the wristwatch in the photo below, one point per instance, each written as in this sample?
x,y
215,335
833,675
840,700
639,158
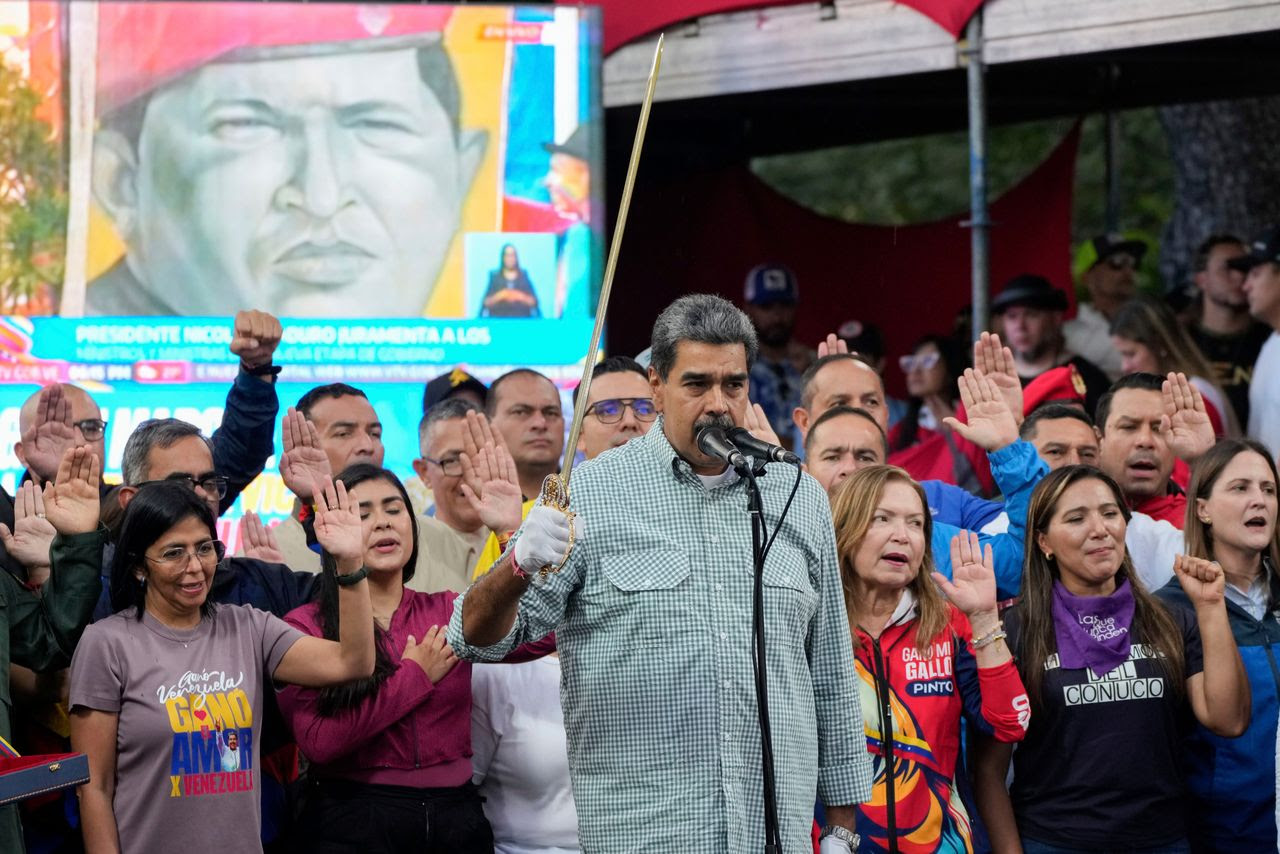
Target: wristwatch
x,y
351,577
842,833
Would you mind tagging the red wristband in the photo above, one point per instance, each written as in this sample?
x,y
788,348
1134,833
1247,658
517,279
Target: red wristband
x,y
515,567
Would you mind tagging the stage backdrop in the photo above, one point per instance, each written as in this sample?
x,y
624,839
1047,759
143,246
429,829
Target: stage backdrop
x,y
703,233
408,187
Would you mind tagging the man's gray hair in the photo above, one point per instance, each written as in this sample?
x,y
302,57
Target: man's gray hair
x,y
702,318
449,409
153,433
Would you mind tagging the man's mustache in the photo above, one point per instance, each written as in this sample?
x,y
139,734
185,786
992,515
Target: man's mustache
x,y
724,422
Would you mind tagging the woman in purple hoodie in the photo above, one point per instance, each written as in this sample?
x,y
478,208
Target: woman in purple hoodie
x,y
391,755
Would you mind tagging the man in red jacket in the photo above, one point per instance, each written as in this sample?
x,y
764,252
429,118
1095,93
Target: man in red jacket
x,y
1146,423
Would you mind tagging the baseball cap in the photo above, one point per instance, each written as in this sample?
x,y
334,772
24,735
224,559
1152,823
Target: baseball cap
x,y
768,284
1031,291
1104,246
447,385
1263,249
152,44
1062,384
577,145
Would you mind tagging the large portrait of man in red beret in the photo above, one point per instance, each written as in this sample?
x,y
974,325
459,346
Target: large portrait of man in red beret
x,y
305,159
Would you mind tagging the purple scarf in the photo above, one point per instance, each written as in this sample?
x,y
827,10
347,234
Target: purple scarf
x,y
1092,631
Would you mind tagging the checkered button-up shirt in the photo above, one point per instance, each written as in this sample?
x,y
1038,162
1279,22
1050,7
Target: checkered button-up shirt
x,y
653,619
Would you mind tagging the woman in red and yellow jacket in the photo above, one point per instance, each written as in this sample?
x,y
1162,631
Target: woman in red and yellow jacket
x,y
923,661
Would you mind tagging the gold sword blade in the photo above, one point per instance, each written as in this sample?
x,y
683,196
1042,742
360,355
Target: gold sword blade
x,y
615,247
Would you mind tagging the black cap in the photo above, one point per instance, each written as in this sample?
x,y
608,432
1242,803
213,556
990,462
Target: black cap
x,y
447,385
577,145
1031,291
1264,248
1105,245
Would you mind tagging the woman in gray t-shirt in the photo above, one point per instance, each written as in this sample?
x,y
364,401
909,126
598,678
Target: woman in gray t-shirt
x,y
166,695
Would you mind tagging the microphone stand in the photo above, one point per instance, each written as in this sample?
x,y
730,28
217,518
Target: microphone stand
x,y
759,545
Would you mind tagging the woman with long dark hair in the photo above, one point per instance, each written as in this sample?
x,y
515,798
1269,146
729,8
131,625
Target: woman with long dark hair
x,y
391,754
510,293
923,662
1150,339
159,689
1231,519
1111,675
922,442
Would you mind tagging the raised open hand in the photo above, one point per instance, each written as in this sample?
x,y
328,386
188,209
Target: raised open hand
x,y
433,654
972,587
1185,419
259,541
991,425
491,487
28,543
303,462
996,362
832,345
52,433
337,524
71,501
1202,580
255,336
757,424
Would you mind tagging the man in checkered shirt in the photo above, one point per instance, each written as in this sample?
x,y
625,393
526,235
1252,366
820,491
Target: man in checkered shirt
x,y
652,611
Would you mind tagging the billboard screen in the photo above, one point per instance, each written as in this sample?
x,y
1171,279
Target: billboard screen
x,y
408,187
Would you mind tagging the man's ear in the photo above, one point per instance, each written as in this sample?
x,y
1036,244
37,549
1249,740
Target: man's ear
x,y
800,417
114,180
472,145
420,468
17,452
657,386
125,494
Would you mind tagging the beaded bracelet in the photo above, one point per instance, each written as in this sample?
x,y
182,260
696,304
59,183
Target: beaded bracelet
x,y
989,638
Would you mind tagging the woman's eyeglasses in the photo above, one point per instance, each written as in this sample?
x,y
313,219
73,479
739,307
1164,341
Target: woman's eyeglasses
x,y
922,362
210,551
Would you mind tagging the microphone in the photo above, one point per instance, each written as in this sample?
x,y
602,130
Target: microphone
x,y
713,442
760,449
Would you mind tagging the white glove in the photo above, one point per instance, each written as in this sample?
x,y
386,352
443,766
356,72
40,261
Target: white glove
x,y
834,845
544,538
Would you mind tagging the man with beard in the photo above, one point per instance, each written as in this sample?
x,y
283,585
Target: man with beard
x,y
1144,423
1030,309
1229,338
652,609
1262,287
770,298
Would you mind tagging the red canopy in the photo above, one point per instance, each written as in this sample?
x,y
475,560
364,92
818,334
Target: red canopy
x,y
627,20
702,233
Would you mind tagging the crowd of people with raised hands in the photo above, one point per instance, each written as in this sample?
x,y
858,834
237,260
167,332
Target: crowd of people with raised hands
x,y
1018,611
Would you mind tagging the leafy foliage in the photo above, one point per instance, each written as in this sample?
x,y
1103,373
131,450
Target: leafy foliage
x,y
33,201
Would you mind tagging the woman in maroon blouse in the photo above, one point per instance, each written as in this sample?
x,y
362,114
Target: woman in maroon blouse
x,y
391,755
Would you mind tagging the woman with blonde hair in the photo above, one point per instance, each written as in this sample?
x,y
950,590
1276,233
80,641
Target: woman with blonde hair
x,y
1150,340
923,662
1231,519
1110,673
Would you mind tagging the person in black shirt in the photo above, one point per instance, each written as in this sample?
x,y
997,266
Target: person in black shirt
x,y
1112,676
1225,333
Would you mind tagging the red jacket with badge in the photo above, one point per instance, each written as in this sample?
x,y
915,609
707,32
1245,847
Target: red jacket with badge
x,y
912,703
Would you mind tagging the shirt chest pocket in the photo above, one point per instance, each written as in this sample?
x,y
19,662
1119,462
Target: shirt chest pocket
x,y
647,595
789,598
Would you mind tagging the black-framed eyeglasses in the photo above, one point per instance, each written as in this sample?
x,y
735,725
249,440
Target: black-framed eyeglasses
x,y
610,411
210,483
1122,261
91,428
210,551
450,466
